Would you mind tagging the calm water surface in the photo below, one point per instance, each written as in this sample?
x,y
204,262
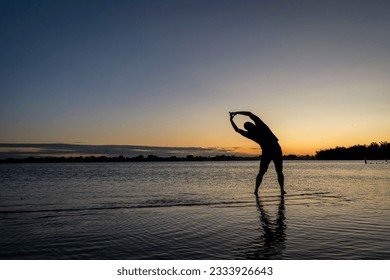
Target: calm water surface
x,y
194,210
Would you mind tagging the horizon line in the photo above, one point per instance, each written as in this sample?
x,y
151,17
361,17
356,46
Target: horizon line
x,y
64,149
20,150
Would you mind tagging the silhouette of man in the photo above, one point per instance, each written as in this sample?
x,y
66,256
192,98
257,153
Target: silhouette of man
x,y
262,135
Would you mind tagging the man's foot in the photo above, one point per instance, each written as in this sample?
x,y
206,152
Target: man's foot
x,y
283,192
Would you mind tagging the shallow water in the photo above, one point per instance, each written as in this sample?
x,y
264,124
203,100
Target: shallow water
x,y
194,210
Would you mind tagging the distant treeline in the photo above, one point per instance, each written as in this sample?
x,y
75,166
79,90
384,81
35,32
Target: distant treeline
x,y
374,151
140,158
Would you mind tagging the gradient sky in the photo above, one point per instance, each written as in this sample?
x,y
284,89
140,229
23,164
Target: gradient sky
x,y
166,73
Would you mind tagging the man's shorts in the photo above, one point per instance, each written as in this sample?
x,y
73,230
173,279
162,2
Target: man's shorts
x,y
274,153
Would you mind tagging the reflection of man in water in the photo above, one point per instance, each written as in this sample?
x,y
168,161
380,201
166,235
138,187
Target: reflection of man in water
x,y
274,231
262,135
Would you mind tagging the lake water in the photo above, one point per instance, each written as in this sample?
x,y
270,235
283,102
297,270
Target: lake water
x,y
194,210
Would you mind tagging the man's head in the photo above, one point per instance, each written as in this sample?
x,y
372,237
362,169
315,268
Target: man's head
x,y
249,126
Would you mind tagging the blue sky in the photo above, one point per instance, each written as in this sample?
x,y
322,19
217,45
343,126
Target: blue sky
x,y
165,73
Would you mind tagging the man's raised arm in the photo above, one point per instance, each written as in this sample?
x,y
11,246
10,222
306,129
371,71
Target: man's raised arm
x,y
242,132
253,117
249,114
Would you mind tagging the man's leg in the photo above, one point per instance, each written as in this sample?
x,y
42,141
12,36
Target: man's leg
x,y
281,182
259,179
264,162
278,161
